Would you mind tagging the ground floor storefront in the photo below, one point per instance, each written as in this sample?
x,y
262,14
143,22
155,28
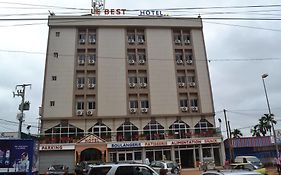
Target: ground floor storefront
x,y
188,152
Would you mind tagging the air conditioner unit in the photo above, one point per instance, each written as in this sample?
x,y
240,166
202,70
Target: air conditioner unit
x,y
79,112
131,41
179,61
80,86
91,61
90,112
141,61
81,62
181,84
189,61
141,41
187,41
144,110
192,84
82,41
133,110
177,41
131,61
91,85
132,85
184,109
92,41
143,85
194,108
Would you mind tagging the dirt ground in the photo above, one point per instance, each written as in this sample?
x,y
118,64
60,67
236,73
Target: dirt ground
x,y
271,171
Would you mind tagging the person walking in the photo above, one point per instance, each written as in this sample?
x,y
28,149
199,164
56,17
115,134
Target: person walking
x,y
278,164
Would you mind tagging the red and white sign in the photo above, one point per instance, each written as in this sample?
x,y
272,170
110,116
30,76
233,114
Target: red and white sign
x,y
50,147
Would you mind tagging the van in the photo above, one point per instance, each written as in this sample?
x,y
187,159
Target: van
x,y
248,159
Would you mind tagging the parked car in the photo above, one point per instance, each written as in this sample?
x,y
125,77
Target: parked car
x,y
121,169
82,167
230,172
170,166
249,166
248,159
57,170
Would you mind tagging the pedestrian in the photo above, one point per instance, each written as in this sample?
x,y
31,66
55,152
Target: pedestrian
x,y
278,164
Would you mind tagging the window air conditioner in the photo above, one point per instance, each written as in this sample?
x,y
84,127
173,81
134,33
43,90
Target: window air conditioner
x,y
91,85
177,41
133,110
131,61
91,61
192,84
144,110
80,86
181,84
92,41
187,41
141,61
90,112
141,41
194,108
184,109
131,41
189,61
179,61
132,85
82,41
81,62
143,85
79,112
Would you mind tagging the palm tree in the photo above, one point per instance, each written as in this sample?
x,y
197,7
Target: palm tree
x,y
236,133
268,119
262,126
255,131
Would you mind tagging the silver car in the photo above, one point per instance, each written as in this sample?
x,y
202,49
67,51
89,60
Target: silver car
x,y
230,172
171,167
121,169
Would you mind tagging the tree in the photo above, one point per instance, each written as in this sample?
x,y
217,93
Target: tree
x,y
262,125
268,119
236,133
256,131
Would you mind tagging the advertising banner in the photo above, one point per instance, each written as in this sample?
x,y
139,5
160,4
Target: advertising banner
x,y
16,156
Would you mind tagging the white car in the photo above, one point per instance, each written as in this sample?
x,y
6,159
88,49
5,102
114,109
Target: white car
x,y
121,169
230,172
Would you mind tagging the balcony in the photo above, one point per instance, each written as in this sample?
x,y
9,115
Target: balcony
x,y
134,135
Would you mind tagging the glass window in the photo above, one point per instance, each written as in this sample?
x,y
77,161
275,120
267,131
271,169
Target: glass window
x,y
54,78
92,38
91,105
99,170
56,54
153,131
179,129
127,132
143,79
144,104
101,130
181,79
80,105
91,80
184,103
132,79
80,80
194,102
133,104
82,38
125,170
52,103
57,34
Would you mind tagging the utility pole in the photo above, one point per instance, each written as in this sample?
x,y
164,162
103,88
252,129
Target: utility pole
x,y
227,133
231,149
20,91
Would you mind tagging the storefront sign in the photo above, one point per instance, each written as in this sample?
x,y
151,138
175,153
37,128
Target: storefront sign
x,y
108,11
8,135
50,147
158,143
124,145
194,141
150,13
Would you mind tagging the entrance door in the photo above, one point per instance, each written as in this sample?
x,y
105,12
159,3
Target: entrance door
x,y
187,158
91,154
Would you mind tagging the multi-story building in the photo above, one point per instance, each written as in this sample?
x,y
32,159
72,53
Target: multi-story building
x,y
127,89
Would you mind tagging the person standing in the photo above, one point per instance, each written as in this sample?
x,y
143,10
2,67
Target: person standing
x,y
278,164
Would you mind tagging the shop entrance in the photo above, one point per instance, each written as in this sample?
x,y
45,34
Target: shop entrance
x,y
187,158
91,154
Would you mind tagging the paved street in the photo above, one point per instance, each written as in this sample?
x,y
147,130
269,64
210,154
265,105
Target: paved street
x,y
271,171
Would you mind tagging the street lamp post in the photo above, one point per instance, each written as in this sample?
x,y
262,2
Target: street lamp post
x,y
270,114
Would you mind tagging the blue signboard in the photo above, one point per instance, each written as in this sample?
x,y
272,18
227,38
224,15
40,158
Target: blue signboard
x,y
16,156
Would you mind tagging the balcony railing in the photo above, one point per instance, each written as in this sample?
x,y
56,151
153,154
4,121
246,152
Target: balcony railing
x,y
133,135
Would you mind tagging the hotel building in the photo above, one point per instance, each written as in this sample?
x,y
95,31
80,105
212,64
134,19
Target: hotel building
x,y
127,89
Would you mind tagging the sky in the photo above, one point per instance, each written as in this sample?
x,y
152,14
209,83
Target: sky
x,y
239,52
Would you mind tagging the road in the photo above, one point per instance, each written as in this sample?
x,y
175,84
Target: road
x,y
271,171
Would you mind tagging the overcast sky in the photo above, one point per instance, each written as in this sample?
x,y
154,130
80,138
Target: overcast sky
x,y
240,51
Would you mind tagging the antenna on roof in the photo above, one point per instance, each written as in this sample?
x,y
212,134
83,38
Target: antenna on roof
x,y
51,13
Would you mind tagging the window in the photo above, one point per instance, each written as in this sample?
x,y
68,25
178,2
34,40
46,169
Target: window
x,y
181,79
131,38
101,130
186,39
140,38
133,104
80,80
91,105
52,103
92,58
92,80
153,130
180,129
82,38
141,57
127,132
57,34
92,38
144,104
132,79
177,38
56,54
81,59
191,79
54,78
194,102
143,79
183,103
131,56
80,105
